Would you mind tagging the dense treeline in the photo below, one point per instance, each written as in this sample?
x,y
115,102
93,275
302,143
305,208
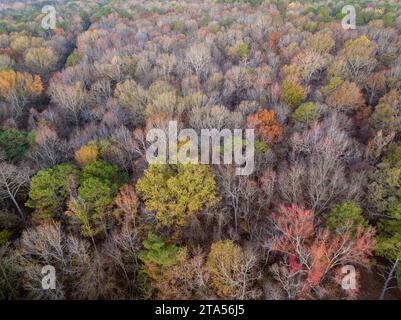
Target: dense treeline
x,y
77,193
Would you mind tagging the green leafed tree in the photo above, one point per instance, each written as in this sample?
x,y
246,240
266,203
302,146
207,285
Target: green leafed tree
x,y
155,251
292,93
156,255
48,189
13,144
104,172
96,192
344,213
306,113
389,239
384,198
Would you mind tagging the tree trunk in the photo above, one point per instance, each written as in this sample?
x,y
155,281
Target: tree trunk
x,y
18,207
390,276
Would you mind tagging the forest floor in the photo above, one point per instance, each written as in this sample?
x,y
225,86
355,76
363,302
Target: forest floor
x,y
372,286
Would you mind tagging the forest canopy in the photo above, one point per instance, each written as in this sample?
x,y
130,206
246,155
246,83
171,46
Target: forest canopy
x,y
77,192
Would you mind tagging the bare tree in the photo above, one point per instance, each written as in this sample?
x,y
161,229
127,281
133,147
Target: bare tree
x,y
308,65
121,252
317,173
246,196
11,181
290,181
49,149
71,98
391,276
215,117
8,276
101,91
167,63
198,57
71,257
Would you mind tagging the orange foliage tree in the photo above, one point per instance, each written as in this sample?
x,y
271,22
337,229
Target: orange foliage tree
x,y
18,88
266,126
347,97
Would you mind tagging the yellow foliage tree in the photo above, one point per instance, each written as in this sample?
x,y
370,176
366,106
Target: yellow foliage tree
x,y
176,192
20,43
232,271
41,60
86,155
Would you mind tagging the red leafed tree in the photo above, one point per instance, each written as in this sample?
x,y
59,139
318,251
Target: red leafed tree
x,y
311,257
